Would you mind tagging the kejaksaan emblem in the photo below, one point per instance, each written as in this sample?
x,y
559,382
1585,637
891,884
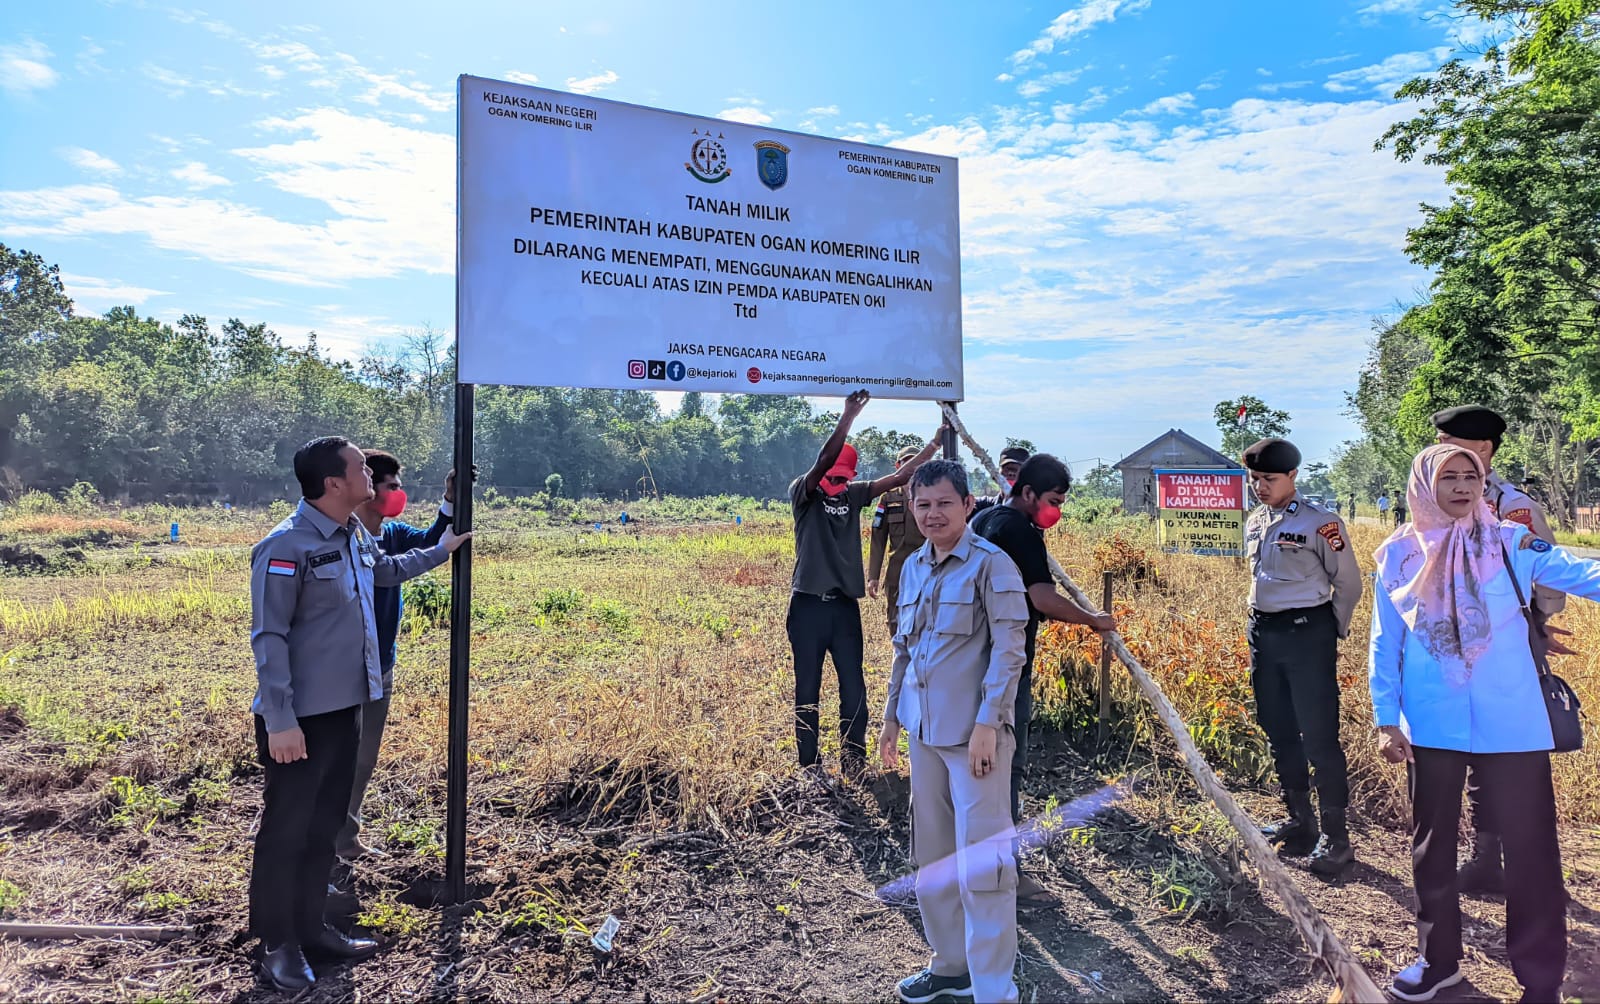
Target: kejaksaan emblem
x,y
772,163
708,161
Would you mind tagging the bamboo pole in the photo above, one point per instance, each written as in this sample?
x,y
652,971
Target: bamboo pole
x,y
1354,983
141,932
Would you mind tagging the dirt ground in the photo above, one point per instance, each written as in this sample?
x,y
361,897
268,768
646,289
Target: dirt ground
x,y
786,907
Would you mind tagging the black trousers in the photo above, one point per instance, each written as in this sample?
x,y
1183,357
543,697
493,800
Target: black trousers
x,y
817,628
303,807
1293,673
1518,789
1019,760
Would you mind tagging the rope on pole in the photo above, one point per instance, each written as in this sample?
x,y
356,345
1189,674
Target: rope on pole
x,y
1354,983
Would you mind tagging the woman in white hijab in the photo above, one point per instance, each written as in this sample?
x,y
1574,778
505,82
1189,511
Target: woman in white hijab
x,y
1454,683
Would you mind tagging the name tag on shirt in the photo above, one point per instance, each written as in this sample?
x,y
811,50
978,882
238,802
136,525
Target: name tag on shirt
x,y
318,560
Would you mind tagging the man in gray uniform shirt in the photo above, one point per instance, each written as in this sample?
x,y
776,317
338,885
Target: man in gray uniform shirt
x,y
1304,585
959,648
314,633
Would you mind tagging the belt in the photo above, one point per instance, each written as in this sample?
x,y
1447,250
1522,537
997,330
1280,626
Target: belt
x,y
827,597
1281,616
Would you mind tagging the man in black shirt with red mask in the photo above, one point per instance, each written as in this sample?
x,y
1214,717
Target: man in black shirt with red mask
x,y
1016,526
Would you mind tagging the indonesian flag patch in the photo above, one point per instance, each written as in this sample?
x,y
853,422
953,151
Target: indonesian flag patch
x,y
278,566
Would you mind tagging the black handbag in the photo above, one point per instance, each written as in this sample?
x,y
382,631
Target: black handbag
x,y
1560,703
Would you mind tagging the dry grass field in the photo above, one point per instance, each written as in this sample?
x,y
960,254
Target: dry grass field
x,y
632,755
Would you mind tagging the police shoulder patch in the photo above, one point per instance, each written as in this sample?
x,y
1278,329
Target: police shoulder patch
x,y
1523,516
1534,544
1333,534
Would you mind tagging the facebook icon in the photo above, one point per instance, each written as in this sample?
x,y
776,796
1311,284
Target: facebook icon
x,y
675,370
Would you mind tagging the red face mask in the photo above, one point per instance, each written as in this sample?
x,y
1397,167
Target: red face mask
x,y
834,491
394,504
1047,516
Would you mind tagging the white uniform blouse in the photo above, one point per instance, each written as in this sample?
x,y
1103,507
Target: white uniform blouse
x,y
1499,708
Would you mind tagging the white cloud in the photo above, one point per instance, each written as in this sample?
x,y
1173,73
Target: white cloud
x,y
1387,76
1073,22
24,68
1283,85
174,83
748,115
88,160
823,110
518,77
1050,81
1181,258
1372,12
390,193
197,175
589,85
98,295
1172,104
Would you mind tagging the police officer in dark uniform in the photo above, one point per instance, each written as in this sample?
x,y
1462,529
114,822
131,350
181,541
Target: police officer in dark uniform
x,y
313,629
894,531
1476,428
1303,590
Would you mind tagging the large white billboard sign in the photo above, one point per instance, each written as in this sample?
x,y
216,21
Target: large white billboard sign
x,y
603,244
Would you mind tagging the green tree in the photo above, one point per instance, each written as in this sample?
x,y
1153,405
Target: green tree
x,y
1260,422
1102,482
1513,314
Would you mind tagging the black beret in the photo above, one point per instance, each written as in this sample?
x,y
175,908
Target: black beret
x,y
1016,453
1470,421
1272,456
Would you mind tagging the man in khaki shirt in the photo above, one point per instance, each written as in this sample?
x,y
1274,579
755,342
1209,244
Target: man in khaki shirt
x,y
959,649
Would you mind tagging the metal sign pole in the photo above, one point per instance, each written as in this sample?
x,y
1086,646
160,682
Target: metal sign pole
x,y
455,855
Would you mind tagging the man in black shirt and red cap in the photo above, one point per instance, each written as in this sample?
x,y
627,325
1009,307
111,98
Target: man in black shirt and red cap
x,y
828,584
1039,486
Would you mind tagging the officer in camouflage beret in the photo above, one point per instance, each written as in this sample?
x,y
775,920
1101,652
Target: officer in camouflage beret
x,y
894,531
1303,591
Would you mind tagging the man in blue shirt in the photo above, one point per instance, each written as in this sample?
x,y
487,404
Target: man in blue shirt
x,y
393,537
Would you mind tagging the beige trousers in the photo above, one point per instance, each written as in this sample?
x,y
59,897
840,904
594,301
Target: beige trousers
x,y
966,873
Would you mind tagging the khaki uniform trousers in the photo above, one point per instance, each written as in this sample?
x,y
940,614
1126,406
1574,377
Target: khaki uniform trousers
x,y
966,873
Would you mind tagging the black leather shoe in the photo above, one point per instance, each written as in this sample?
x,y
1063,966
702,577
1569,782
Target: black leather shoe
x,y
285,967
330,945
341,903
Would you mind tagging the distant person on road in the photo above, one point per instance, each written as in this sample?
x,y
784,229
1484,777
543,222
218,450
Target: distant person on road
x,y
1383,507
958,656
1303,591
828,584
1399,511
1351,508
894,530
1455,686
1480,431
1011,461
379,515
315,638
1017,527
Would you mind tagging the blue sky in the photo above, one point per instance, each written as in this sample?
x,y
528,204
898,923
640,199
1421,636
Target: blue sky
x,y
1164,202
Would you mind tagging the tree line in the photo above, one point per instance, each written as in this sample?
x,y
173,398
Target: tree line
x,y
1512,314
189,412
